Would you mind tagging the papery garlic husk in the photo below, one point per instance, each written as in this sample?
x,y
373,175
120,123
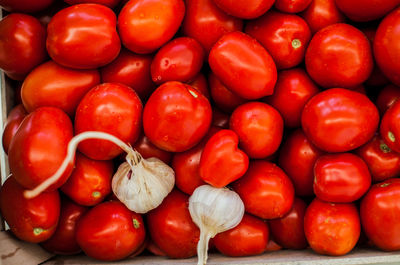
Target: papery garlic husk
x,y
214,210
142,184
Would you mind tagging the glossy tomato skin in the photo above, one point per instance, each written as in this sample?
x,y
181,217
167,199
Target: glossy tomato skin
x,y
72,31
171,227
230,59
390,127
200,83
110,231
249,237
147,150
145,25
32,220
296,87
109,3
39,147
178,60
259,127
292,6
338,224
14,119
52,85
112,108
265,190
22,45
339,120
25,6
366,10
245,9
180,105
288,231
284,36
63,240
380,214
387,97
206,23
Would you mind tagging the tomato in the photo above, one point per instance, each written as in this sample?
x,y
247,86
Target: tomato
x,y
176,117
14,119
110,231
245,9
292,6
147,150
284,36
22,45
288,231
296,87
387,97
72,32
272,246
132,70
146,25
206,23
220,119
63,240
248,238
366,10
259,127
387,55
199,82
297,157
265,190
171,228
25,6
389,128
112,108
339,120
109,3
380,214
39,147
243,65
52,85
179,60
338,224
33,220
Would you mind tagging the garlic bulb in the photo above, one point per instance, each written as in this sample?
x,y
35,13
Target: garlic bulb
x,y
142,184
214,210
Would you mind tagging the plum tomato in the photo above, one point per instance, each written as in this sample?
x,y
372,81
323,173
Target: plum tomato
x,y
245,9
366,10
14,119
199,82
292,6
387,97
390,127
147,149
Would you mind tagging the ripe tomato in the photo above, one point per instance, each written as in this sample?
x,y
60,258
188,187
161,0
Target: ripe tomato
x,y
145,25
259,127
199,82
366,10
292,6
176,117
390,127
112,108
147,150
72,32
109,3
265,190
14,119
339,120
22,45
33,220
243,65
25,6
220,119
338,224
387,97
380,214
52,85
171,227
245,9
284,36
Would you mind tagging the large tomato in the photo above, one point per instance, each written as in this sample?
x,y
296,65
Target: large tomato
x,y
245,9
14,119
366,10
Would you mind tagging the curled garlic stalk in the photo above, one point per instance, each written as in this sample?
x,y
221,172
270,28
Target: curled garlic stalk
x,y
213,210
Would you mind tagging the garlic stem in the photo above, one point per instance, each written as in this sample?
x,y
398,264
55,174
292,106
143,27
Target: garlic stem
x,y
202,248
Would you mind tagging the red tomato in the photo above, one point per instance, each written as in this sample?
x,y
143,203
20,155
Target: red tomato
x,y
284,36
266,190
200,83
259,127
39,147
245,9
14,119
387,55
272,246
109,3
147,150
248,238
176,117
297,157
339,120
387,97
22,45
206,23
288,231
366,10
72,32
171,227
25,6
243,65
146,25
52,85
179,60
33,220
109,231
296,87
63,240
132,70
338,224
380,214
112,108
341,178
292,6
220,119
390,127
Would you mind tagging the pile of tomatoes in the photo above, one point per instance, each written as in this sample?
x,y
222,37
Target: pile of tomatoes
x,y
290,103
